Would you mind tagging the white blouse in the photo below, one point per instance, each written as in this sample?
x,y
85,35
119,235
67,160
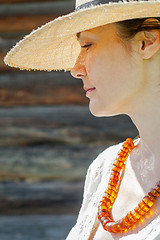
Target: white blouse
x,y
96,183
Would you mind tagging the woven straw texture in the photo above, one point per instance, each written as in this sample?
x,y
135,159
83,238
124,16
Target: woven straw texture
x,y
54,46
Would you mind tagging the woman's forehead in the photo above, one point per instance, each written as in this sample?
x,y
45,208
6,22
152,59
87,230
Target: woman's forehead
x,y
93,31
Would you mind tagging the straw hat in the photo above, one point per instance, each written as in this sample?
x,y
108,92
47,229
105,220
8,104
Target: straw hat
x,y
54,46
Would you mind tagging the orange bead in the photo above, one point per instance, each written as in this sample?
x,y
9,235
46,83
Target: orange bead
x,y
119,164
157,189
152,198
120,159
110,227
110,197
125,149
118,227
114,178
113,188
136,215
106,204
148,201
143,208
137,209
105,207
114,173
105,220
125,222
112,193
112,182
101,214
130,218
117,169
122,155
104,213
154,193
122,225
130,143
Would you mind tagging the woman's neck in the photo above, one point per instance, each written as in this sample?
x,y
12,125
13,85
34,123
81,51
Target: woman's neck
x,y
146,160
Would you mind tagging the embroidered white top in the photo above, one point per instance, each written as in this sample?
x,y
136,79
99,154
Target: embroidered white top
x,y
96,182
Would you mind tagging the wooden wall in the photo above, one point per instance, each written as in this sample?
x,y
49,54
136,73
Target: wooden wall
x,y
48,138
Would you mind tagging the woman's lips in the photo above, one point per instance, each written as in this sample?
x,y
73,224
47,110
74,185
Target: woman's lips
x,y
88,90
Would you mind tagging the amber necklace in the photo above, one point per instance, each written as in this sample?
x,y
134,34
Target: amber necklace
x,y
110,195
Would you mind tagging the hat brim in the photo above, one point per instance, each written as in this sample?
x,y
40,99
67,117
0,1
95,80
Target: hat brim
x,y
54,46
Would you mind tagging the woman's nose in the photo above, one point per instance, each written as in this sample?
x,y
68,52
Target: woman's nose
x,y
79,70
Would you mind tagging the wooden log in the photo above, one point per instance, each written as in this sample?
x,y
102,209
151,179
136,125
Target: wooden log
x,y
40,88
41,8
71,125
54,197
46,162
3,67
36,227
25,1
23,23
29,16
6,44
55,142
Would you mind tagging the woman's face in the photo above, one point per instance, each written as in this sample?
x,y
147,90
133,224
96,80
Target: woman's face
x,y
110,71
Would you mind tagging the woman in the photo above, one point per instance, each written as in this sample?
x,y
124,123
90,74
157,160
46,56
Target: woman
x,y
118,62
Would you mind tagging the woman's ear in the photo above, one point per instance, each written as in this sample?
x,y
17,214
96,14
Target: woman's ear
x,y
149,43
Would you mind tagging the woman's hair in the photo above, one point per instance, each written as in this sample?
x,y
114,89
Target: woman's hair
x,y
129,28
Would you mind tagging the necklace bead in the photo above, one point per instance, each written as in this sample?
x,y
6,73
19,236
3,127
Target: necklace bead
x,y
110,195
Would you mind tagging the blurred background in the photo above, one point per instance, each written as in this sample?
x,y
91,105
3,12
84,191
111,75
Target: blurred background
x,y
48,137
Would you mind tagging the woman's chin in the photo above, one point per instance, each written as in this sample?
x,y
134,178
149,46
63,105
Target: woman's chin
x,y
96,111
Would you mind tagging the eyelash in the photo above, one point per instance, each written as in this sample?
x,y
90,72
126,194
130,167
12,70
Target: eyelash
x,y
87,46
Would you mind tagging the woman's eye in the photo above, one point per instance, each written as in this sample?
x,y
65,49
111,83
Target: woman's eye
x,y
87,46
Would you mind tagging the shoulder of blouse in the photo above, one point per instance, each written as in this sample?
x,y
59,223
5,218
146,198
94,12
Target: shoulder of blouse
x,y
100,167
97,175
104,160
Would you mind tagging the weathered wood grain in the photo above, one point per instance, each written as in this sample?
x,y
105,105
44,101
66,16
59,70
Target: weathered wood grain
x,y
72,126
40,88
53,197
41,8
47,162
55,142
6,44
61,124
45,153
3,67
29,16
23,23
36,227
26,1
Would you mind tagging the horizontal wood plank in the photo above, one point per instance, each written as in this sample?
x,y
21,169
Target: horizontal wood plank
x,y
40,88
67,124
25,1
25,17
40,197
46,162
46,143
41,8
23,23
37,227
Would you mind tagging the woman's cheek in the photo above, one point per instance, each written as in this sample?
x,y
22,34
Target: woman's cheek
x,y
93,65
